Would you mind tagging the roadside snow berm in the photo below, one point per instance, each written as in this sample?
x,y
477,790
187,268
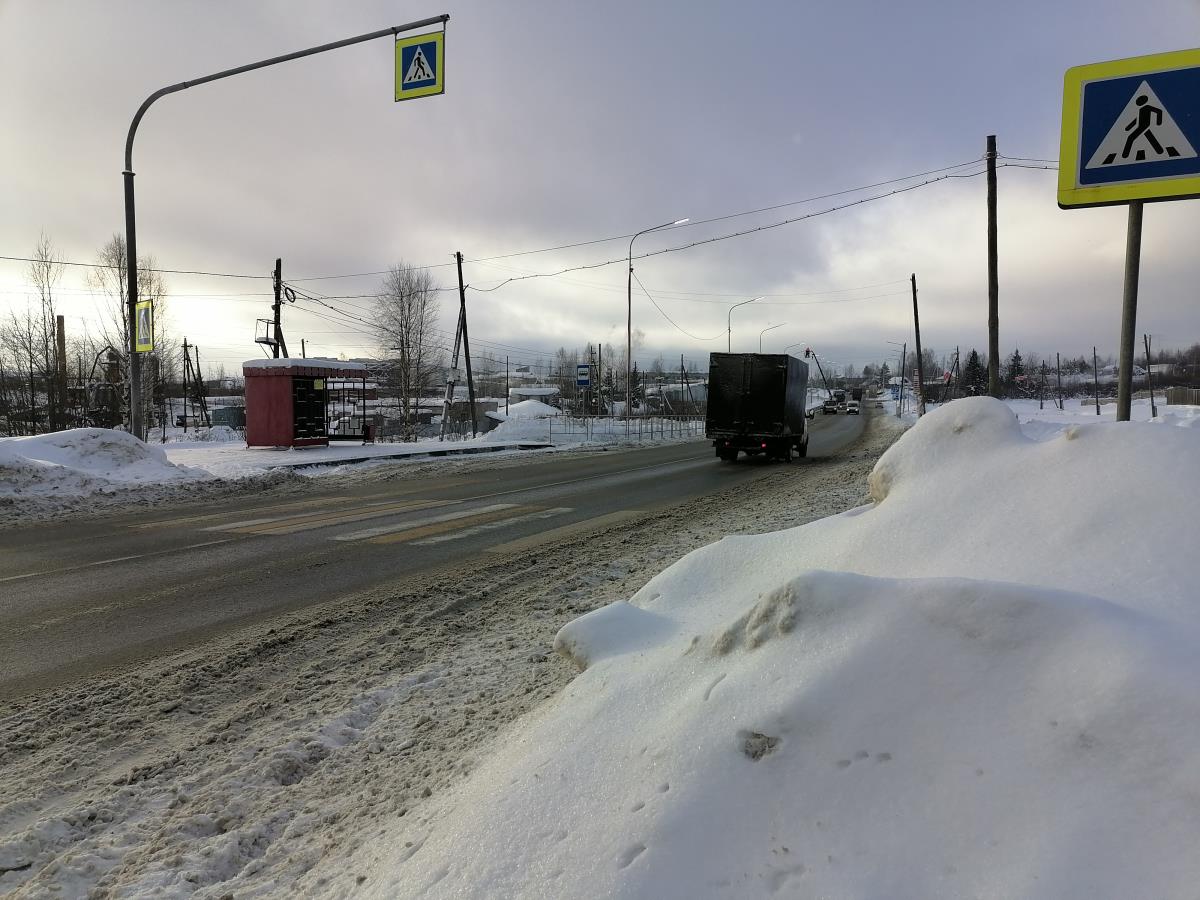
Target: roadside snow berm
x,y
82,461
982,684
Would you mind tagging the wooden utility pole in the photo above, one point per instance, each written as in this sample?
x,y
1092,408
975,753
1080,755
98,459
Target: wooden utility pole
x,y
920,362
60,334
280,344
993,277
462,300
1149,378
1058,377
1096,378
507,388
303,349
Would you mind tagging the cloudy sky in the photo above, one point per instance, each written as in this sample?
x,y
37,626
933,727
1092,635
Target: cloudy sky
x,y
567,122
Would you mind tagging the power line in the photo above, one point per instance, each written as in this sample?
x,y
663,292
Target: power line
x,y
661,312
729,236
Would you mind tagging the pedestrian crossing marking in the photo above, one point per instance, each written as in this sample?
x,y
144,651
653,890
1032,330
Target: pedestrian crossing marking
x,y
208,517
566,531
411,531
293,524
1144,125
473,530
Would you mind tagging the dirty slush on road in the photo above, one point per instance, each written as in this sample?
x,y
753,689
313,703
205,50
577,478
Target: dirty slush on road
x,y
259,765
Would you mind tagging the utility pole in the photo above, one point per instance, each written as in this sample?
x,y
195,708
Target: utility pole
x,y
900,394
462,300
1133,265
1149,378
280,343
1096,378
507,388
60,334
993,276
187,377
1058,377
1042,388
920,362
303,349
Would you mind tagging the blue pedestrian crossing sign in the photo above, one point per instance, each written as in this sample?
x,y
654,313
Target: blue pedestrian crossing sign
x,y
420,65
1131,131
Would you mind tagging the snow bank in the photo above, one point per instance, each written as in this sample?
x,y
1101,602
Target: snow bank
x,y
531,409
83,461
980,685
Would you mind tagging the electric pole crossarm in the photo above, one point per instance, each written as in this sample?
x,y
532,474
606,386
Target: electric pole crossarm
x,y
275,60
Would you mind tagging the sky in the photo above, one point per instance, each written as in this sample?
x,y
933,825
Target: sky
x,y
569,122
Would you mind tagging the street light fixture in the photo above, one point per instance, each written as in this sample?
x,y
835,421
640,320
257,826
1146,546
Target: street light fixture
x,y
629,313
765,330
729,323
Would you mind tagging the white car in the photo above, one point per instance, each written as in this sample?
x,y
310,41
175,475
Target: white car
x,y
852,407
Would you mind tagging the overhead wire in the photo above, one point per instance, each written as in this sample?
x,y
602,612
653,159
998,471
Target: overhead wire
x,y
663,313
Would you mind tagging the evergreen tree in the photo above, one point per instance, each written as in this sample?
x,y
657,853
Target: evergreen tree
x,y
885,374
975,379
1014,372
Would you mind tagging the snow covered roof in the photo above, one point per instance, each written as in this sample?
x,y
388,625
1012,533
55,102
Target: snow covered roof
x,y
538,391
311,365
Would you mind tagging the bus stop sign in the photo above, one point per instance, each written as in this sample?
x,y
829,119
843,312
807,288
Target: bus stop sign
x,y
1131,131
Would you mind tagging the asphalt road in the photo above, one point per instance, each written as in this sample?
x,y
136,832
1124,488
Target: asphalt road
x,y
80,597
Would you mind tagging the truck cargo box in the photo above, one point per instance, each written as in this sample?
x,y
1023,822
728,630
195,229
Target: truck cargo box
x,y
757,403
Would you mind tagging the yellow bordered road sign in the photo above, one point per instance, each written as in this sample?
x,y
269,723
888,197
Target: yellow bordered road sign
x,y
144,318
1131,131
420,65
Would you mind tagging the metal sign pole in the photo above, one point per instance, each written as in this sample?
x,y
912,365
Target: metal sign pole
x,y
1133,264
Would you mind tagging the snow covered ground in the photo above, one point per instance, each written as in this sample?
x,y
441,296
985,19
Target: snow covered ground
x,y
254,766
981,684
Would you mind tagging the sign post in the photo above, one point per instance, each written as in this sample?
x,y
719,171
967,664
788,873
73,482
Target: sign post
x,y
1131,135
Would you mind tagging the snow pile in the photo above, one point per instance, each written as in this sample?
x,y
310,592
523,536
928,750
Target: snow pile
x,y
980,685
531,409
83,461
217,434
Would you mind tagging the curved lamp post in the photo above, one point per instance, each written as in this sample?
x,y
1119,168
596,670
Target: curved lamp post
x,y
135,409
729,323
765,330
629,312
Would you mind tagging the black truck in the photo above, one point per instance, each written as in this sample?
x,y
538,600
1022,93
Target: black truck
x,y
757,404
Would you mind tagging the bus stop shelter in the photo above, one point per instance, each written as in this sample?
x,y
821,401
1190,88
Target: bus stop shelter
x,y
287,400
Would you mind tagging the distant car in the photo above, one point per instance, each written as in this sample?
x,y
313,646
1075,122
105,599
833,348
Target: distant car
x,y
829,407
841,407
852,407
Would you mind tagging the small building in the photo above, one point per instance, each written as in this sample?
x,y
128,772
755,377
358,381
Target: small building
x,y
544,393
287,399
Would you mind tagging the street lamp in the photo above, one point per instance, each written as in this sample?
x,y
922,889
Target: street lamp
x,y
765,330
629,313
729,323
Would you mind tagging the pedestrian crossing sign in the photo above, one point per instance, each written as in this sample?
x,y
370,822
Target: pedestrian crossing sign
x,y
1131,131
144,319
420,65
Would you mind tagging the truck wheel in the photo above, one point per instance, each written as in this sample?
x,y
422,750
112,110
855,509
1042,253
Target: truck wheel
x,y
803,452
785,453
728,455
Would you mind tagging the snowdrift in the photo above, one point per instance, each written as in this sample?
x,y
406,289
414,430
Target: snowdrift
x,y
83,461
532,409
980,685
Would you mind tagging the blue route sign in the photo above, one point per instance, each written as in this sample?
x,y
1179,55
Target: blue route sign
x,y
583,375
1131,131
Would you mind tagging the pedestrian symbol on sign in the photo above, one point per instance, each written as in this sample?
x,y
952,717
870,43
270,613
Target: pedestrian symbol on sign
x,y
143,338
1144,132
419,69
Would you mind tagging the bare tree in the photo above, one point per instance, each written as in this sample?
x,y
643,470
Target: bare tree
x,y
44,273
109,278
407,327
